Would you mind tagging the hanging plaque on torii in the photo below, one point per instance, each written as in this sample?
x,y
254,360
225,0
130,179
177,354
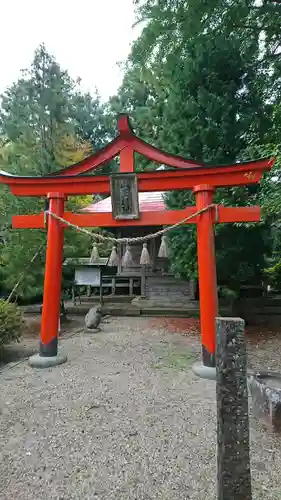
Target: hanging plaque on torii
x,y
202,179
124,196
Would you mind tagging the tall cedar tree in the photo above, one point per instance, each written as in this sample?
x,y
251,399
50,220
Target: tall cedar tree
x,y
202,81
46,122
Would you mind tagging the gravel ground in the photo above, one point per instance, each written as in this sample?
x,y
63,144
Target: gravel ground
x,y
124,418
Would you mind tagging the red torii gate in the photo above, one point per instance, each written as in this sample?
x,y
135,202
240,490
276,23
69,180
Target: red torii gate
x,y
185,174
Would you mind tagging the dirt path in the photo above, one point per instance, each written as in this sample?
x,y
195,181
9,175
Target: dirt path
x,y
124,418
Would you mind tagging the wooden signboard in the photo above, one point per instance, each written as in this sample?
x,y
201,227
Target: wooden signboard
x,y
88,276
124,196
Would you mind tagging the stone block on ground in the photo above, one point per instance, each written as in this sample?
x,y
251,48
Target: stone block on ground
x,y
265,390
93,318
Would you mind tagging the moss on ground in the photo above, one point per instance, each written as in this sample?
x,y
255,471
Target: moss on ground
x,y
171,357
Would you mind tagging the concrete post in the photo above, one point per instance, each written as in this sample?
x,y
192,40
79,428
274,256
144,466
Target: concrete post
x,y
234,474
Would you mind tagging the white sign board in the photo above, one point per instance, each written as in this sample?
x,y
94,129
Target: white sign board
x,y
87,276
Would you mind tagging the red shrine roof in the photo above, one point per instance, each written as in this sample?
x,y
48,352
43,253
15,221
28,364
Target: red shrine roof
x,y
148,202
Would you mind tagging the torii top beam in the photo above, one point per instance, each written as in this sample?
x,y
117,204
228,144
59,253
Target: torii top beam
x,y
183,174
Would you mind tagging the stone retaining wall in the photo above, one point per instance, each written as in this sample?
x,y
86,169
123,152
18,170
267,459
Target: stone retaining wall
x,y
260,311
169,288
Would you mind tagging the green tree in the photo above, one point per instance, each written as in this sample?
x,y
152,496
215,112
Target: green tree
x,y
40,128
36,109
202,81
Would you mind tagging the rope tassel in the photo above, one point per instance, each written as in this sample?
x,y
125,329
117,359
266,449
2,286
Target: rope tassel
x,y
163,250
127,259
145,257
114,259
95,254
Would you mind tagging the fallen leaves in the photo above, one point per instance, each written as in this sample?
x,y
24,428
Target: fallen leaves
x,y
258,334
185,326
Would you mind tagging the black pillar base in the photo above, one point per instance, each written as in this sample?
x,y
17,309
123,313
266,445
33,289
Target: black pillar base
x,y
48,356
208,358
50,349
207,367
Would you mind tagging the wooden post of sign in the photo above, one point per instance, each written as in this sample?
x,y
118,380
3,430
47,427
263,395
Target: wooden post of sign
x,y
101,288
234,473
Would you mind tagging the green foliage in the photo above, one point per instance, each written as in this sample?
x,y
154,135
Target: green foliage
x,y
10,323
203,80
45,123
182,241
228,294
274,274
34,111
269,197
45,112
200,83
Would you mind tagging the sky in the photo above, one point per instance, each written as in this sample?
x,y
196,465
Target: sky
x,y
87,37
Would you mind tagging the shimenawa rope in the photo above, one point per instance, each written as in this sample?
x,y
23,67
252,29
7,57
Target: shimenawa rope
x,y
99,237
127,241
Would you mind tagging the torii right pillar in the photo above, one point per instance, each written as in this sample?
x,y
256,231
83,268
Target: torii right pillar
x,y
207,280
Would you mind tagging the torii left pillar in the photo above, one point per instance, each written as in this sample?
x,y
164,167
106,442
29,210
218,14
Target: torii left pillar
x,y
48,352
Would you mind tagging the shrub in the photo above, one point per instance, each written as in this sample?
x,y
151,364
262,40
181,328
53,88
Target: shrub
x,y
10,323
274,275
228,294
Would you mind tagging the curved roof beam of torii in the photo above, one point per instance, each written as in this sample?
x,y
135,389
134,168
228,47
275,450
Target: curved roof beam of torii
x,y
126,138
184,172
